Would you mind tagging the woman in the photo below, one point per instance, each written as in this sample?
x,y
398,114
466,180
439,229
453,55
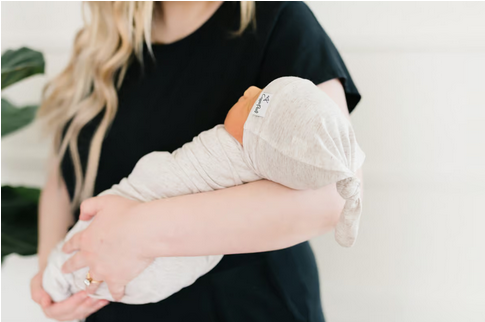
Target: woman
x,y
206,54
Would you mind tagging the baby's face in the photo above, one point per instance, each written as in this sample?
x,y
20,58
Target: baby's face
x,y
238,114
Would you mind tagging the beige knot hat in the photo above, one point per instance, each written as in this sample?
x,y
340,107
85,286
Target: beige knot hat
x,y
297,136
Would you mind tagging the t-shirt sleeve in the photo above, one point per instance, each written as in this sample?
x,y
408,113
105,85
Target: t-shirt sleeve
x,y
299,46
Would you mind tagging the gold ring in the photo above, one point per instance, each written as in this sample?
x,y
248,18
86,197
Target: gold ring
x,y
89,280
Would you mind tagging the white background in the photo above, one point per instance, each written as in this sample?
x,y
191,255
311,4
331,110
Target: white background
x,y
420,68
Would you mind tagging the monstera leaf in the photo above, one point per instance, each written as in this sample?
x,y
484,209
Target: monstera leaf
x,y
14,118
19,220
19,64
19,204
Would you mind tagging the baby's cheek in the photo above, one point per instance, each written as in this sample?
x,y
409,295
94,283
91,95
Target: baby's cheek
x,y
234,125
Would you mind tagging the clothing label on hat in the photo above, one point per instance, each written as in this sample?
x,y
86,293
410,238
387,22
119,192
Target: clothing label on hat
x,y
261,105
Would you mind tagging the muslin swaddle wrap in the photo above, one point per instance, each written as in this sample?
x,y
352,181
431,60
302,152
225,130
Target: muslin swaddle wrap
x,y
294,135
213,160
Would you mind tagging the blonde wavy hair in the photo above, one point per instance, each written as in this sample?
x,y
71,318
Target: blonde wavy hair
x,y
103,50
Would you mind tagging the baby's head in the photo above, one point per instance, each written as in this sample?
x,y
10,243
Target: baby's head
x,y
238,114
297,136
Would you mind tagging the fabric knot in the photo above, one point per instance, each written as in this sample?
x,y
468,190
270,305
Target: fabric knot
x,y
349,188
348,225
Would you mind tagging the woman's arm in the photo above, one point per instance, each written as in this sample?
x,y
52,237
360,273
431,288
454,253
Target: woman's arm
x,y
126,235
54,214
54,219
253,217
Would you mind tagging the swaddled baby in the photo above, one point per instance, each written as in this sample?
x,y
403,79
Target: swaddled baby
x,y
291,132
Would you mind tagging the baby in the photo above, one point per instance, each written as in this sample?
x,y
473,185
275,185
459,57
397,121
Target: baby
x,y
290,132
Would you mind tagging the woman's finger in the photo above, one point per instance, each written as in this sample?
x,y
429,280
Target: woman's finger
x,y
41,297
62,309
38,294
36,289
88,307
74,263
89,208
72,244
45,300
117,290
91,288
99,305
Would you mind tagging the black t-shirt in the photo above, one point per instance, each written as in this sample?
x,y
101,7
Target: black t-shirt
x,y
189,89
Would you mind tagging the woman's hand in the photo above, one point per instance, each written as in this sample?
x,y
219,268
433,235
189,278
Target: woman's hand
x,y
78,306
108,246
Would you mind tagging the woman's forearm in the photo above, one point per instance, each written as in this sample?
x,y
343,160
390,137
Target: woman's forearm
x,y
54,215
254,217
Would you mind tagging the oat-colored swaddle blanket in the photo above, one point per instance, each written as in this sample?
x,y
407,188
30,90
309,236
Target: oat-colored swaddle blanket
x,y
294,135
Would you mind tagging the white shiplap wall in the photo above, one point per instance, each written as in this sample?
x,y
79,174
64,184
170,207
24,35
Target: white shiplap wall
x,y
420,67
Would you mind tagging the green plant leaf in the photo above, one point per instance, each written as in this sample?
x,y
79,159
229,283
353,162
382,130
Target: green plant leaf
x,y
19,64
19,220
14,118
